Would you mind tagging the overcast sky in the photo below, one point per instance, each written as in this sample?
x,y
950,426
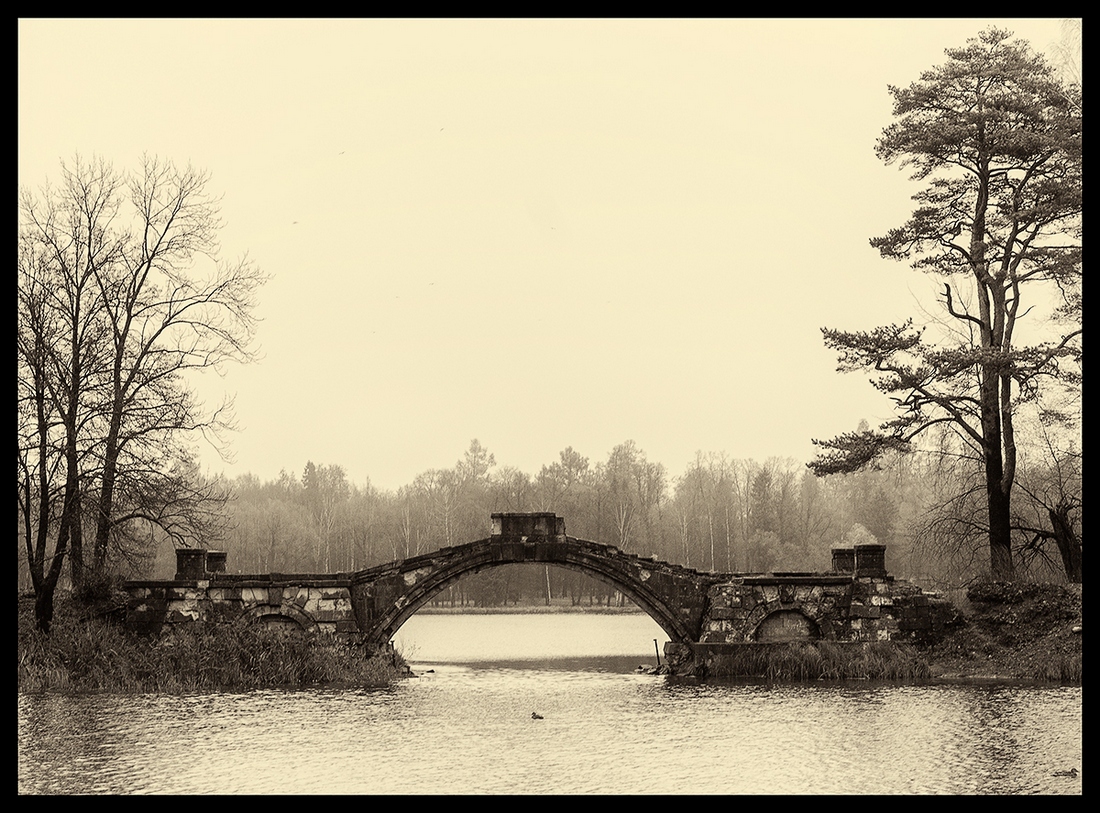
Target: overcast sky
x,y
536,233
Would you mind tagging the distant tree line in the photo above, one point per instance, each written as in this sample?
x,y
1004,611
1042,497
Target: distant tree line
x,y
720,514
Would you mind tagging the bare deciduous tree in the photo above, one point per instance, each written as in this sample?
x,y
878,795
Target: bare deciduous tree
x,y
122,296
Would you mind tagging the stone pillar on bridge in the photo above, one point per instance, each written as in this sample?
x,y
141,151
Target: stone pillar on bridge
x,y
844,560
215,561
542,524
197,563
190,564
870,561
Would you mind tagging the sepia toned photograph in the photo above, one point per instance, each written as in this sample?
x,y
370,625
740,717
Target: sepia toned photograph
x,y
549,406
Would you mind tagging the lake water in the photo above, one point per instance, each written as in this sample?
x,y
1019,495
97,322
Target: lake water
x,y
465,727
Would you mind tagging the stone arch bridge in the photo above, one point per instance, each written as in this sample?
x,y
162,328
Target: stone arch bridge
x,y
701,612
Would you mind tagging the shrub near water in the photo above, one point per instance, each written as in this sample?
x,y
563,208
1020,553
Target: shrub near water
x,y
95,655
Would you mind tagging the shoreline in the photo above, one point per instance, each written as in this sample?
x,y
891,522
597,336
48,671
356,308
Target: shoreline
x,y
530,609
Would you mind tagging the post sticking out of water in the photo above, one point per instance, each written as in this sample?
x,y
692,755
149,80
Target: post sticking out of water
x,y
655,649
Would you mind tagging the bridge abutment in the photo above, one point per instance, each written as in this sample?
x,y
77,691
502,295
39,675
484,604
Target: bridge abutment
x,y
859,604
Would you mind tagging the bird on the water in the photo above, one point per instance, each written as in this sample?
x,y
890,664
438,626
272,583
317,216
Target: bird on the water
x,y
536,716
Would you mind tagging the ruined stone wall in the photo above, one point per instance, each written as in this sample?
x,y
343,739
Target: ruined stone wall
x,y
737,608
323,607
748,616
834,608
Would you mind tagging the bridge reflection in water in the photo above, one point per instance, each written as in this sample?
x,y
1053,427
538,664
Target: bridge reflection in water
x,y
701,612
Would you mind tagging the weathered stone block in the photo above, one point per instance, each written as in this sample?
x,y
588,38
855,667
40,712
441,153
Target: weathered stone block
x,y
190,563
864,611
224,611
870,561
225,593
176,615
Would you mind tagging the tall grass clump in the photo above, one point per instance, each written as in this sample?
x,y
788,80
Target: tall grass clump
x,y
886,660
251,656
93,654
1063,668
821,660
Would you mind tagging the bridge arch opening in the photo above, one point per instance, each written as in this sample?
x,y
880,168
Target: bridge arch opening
x,y
786,626
531,584
585,618
286,620
420,586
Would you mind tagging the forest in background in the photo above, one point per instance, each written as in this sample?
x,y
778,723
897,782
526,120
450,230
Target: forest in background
x,y
721,514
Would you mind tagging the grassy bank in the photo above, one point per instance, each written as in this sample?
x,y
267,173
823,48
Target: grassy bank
x,y
91,654
1014,631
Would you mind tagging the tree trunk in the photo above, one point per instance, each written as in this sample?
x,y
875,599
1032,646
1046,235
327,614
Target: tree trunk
x,y
44,592
110,472
43,609
997,498
710,530
72,507
1068,543
1000,537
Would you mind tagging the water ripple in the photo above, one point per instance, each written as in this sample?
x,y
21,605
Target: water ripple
x,y
467,728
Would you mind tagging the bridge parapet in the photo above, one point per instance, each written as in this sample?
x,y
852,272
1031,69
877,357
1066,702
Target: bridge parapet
x,y
316,603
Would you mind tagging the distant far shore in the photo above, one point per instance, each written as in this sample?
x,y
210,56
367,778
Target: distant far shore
x,y
529,609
